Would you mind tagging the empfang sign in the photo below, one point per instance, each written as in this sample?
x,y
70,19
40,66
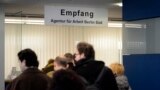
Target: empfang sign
x,y
77,13
80,16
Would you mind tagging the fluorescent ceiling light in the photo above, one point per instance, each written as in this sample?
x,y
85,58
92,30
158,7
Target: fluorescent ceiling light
x,y
119,4
134,25
40,21
35,23
25,21
114,24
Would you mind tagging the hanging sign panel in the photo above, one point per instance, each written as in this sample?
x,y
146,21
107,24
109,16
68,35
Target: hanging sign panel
x,y
80,16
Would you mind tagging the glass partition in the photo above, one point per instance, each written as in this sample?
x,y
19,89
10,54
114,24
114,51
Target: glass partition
x,y
141,36
13,44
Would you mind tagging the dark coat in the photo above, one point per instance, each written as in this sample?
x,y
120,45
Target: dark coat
x,y
90,70
30,79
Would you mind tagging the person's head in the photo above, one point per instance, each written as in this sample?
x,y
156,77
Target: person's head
x,y
27,58
49,67
60,63
50,61
117,68
84,51
69,55
71,61
66,80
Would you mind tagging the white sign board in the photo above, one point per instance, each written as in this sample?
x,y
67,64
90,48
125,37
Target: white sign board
x,y
80,16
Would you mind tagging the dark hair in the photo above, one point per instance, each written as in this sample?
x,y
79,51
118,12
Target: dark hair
x,y
66,80
71,60
69,55
87,49
29,56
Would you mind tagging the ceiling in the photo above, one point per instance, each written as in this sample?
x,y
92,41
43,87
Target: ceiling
x,y
35,8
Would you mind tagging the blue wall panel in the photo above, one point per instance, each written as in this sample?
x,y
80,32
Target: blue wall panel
x,y
140,9
143,71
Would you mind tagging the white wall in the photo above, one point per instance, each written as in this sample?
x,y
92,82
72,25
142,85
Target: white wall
x,y
1,48
50,41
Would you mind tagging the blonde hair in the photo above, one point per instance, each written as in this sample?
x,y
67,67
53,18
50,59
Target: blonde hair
x,y
117,68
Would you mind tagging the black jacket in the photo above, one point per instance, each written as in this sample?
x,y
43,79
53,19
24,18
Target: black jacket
x,y
90,70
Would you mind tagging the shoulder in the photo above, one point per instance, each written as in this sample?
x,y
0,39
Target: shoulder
x,y
32,74
122,80
13,84
97,62
50,74
121,77
89,63
94,65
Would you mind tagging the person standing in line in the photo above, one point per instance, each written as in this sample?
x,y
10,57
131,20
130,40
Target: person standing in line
x,y
60,62
87,67
70,60
66,79
49,67
122,81
31,78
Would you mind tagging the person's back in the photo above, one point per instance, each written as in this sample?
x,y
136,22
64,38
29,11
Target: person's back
x,y
121,79
87,67
64,79
31,78
122,82
107,80
91,70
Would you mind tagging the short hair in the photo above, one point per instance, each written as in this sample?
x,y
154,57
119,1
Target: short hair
x,y
117,68
29,56
63,61
87,49
69,56
66,80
